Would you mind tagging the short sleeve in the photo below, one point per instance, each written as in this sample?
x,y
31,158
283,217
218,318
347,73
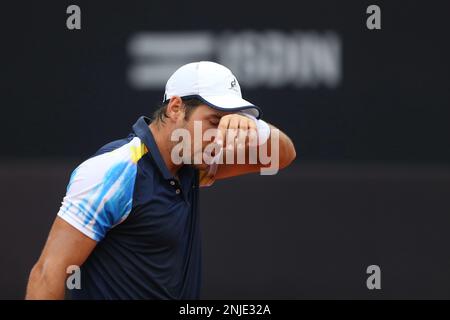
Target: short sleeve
x,y
100,192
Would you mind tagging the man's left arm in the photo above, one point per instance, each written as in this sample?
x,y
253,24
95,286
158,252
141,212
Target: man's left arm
x,y
238,138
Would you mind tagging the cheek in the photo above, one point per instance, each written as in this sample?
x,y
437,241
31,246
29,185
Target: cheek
x,y
205,126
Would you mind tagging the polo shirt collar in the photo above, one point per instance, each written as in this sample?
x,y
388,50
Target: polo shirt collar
x,y
142,130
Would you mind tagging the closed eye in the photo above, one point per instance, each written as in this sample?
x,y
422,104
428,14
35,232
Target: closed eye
x,y
214,120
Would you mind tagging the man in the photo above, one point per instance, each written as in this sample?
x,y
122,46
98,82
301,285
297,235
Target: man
x,y
129,217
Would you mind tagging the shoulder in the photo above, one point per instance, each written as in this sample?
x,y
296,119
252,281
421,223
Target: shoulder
x,y
129,150
100,191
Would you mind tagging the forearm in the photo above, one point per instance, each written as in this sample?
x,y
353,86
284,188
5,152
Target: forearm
x,y
278,159
45,284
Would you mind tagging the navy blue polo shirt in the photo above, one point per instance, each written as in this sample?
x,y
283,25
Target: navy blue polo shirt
x,y
145,220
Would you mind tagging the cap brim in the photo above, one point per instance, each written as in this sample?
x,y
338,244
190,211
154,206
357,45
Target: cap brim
x,y
232,103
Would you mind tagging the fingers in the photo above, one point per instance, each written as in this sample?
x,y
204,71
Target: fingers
x,y
252,126
252,133
222,130
235,131
232,132
242,133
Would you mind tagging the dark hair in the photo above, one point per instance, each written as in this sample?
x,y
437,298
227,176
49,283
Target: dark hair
x,y
189,105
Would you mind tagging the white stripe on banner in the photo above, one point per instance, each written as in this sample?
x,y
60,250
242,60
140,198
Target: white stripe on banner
x,y
271,59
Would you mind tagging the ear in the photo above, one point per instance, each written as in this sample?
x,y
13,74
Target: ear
x,y
175,109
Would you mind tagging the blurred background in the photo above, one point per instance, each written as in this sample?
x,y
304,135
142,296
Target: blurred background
x,y
368,111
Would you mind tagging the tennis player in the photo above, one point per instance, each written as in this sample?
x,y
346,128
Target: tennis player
x,y
130,218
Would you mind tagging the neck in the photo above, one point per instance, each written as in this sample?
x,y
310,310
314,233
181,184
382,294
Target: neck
x,y
162,139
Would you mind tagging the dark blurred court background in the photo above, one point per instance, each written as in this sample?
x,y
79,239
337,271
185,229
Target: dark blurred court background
x,y
367,110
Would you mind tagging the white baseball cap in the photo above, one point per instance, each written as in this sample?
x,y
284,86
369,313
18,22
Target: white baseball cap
x,y
211,83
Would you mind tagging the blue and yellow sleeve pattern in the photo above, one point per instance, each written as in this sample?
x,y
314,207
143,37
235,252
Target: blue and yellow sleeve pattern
x,y
100,191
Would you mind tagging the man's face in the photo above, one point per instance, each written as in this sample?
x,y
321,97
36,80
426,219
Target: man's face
x,y
209,118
